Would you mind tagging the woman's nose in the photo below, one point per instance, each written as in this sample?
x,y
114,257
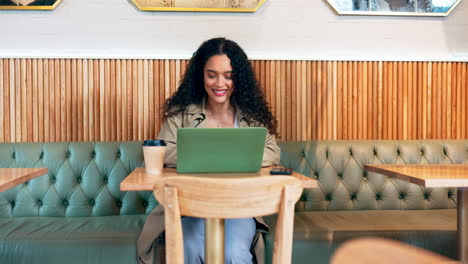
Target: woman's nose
x,y
219,82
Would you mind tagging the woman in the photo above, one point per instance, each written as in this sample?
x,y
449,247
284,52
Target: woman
x,y
218,89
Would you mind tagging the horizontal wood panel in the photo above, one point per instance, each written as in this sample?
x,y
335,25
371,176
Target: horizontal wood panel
x,y
101,99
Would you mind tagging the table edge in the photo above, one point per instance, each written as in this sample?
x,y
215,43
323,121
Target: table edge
x,y
23,179
428,183
309,183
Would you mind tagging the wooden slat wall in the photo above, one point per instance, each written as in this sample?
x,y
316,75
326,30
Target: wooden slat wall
x,y
101,99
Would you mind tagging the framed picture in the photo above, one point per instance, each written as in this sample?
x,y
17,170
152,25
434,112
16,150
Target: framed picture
x,y
29,4
199,5
394,7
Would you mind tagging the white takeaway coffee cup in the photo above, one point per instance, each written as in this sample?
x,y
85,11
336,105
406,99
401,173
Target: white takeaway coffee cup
x,y
153,153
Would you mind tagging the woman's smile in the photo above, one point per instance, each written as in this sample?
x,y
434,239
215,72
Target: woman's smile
x,y
219,92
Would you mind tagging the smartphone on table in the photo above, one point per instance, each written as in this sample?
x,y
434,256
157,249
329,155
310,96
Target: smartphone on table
x,y
280,171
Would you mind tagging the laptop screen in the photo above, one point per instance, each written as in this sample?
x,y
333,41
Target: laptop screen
x,y
204,150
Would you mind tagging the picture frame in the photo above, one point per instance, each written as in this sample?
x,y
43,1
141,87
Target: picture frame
x,y
248,6
393,7
29,4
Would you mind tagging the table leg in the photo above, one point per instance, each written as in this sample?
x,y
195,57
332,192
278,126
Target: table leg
x,y
214,241
462,225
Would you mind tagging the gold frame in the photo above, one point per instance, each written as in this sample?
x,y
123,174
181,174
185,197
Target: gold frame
x,y
386,13
51,7
197,9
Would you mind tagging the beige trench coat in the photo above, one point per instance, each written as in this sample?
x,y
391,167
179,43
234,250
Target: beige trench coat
x,y
150,244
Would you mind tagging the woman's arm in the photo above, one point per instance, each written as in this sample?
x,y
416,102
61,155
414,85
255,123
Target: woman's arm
x,y
168,133
271,154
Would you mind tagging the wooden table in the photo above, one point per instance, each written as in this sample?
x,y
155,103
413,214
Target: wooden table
x,y
139,180
10,177
431,175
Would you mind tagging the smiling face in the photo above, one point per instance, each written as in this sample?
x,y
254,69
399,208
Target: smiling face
x,y
218,79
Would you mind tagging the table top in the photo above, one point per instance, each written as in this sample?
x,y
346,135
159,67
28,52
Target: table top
x,y
427,175
139,180
10,177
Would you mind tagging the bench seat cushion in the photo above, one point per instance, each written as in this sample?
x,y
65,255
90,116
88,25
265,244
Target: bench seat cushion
x,y
318,234
81,240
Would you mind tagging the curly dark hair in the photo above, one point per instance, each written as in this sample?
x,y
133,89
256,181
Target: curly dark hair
x,y
247,95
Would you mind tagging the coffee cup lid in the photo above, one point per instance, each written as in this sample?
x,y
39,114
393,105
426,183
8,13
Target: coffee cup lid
x,y
154,142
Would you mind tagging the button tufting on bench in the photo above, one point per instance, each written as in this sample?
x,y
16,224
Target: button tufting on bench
x,y
68,154
119,204
52,179
426,196
105,180
41,156
13,155
402,196
65,203
92,202
13,203
378,196
93,154
79,179
118,154
39,202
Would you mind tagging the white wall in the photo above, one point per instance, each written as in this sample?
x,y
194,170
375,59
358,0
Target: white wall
x,y
281,29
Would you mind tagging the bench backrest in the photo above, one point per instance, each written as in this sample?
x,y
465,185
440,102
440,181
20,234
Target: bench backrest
x,y
83,180
344,185
84,177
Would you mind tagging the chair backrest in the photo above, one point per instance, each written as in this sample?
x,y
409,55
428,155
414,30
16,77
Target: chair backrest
x,y
384,251
228,198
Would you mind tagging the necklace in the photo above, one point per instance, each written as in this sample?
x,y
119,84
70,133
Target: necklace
x,y
224,120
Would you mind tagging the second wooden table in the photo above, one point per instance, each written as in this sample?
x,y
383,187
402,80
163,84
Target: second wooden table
x,y
432,175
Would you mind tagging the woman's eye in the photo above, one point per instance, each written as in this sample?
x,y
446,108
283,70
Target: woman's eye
x,y
229,77
211,76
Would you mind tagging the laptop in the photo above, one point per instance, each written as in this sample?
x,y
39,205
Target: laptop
x,y
219,150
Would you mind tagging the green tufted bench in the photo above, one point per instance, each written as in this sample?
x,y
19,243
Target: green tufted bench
x,y
351,202
77,214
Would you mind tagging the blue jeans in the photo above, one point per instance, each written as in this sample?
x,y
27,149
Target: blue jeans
x,y
239,234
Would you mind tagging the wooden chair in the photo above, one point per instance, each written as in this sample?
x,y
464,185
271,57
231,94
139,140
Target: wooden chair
x,y
206,197
384,251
